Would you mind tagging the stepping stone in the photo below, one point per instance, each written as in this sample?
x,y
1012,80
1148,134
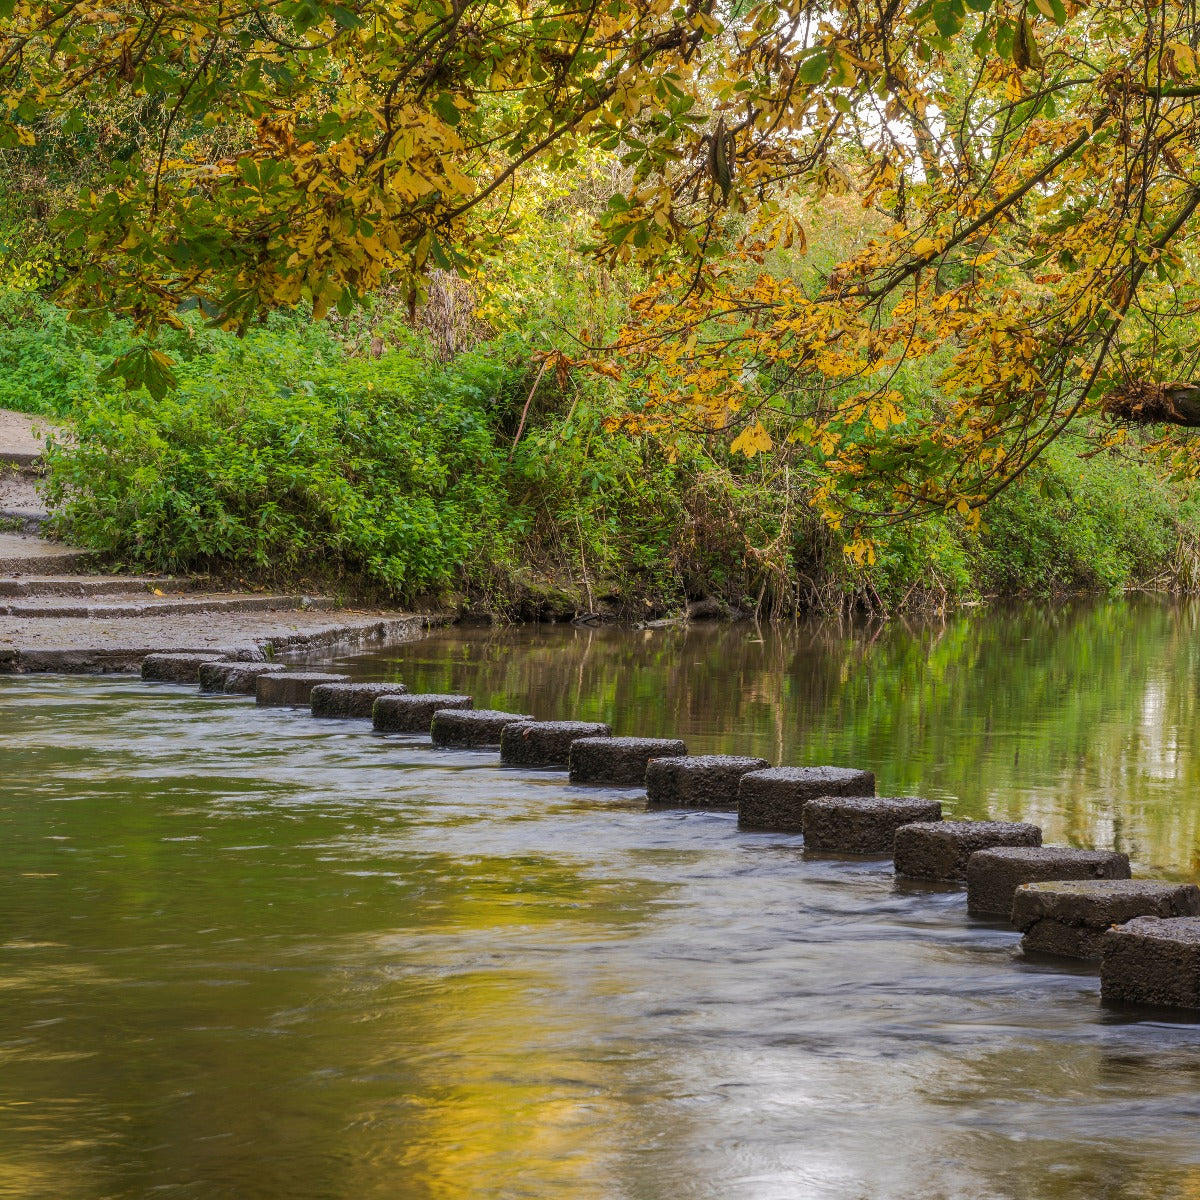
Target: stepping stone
x,y
471,727
545,743
412,713
175,668
993,876
292,687
940,850
775,798
1152,960
350,699
698,780
237,678
618,761
1070,918
862,824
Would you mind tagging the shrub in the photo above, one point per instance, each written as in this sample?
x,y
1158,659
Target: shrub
x,y
275,454
1081,524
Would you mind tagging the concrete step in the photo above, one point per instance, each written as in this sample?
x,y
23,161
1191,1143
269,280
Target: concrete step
x,y
27,554
21,437
27,586
143,605
95,647
22,509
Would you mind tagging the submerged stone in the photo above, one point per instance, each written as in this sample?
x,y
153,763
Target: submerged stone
x,y
292,687
176,668
994,875
412,713
350,699
618,761
234,677
776,798
862,824
471,727
1152,960
940,850
1070,918
698,780
545,743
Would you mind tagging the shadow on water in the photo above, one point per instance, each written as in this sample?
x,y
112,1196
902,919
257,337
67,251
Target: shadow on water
x,y
247,954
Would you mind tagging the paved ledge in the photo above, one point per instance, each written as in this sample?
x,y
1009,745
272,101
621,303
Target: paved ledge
x,y
29,555
97,646
22,437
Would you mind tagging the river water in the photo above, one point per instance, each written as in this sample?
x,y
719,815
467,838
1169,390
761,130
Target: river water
x,y
247,954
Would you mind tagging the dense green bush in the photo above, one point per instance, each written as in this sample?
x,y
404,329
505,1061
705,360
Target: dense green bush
x,y
1082,522
295,453
276,453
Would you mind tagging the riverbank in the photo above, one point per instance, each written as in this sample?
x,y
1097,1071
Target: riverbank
x,y
60,611
307,457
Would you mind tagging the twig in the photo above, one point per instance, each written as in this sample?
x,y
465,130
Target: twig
x,y
587,587
525,410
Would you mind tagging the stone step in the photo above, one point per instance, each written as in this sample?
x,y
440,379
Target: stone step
x,y
26,586
27,554
142,605
89,647
21,437
22,509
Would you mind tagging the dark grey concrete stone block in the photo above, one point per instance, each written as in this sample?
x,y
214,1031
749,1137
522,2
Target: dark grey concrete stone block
x,y
235,677
1070,918
618,761
175,668
775,798
292,687
993,876
545,743
862,824
940,850
698,780
1152,960
412,713
471,727
350,699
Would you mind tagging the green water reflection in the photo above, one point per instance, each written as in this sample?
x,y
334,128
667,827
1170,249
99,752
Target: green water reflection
x,y
1083,717
247,954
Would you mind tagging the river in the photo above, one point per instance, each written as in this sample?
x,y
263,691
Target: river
x,y
247,954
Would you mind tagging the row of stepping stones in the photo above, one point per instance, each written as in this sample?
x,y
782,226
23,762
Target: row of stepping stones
x,y
1068,902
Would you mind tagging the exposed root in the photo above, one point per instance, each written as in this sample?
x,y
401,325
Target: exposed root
x,y
1140,403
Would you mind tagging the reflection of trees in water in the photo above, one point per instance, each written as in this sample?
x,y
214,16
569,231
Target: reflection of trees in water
x,y
1082,716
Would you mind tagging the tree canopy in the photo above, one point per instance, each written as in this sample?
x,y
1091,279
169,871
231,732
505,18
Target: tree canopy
x,y
1029,174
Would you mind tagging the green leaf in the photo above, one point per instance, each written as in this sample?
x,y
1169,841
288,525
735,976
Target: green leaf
x,y
445,108
948,16
813,69
142,366
305,16
1005,35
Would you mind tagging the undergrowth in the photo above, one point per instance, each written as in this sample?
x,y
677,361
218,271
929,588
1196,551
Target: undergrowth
x,y
312,451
